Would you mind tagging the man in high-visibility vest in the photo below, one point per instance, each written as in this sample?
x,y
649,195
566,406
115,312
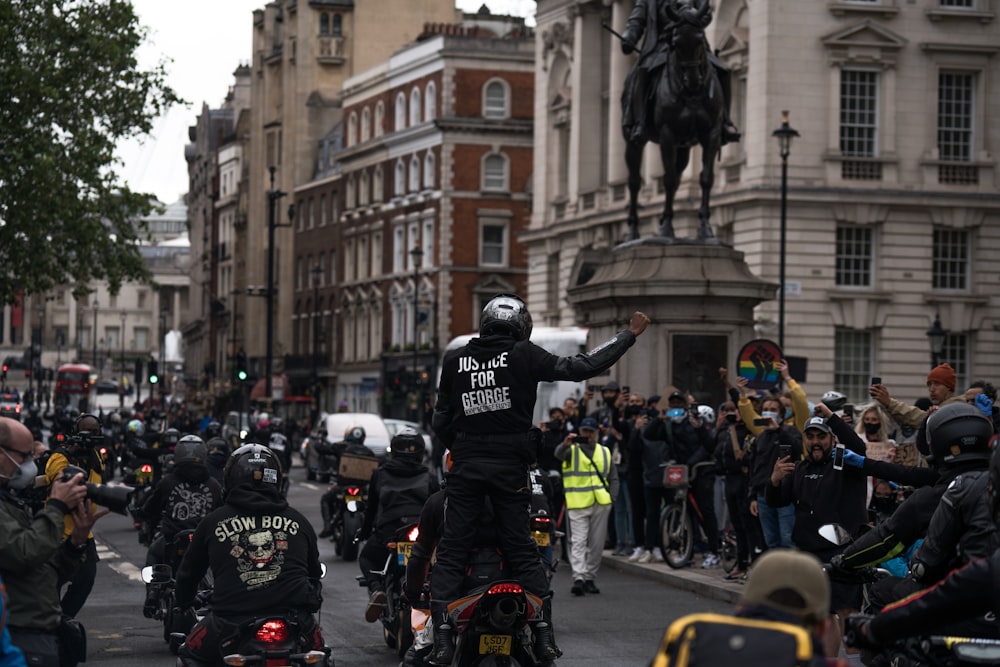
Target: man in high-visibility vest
x,y
590,481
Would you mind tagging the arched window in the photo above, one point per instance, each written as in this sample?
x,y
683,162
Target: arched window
x,y
324,24
363,192
350,194
400,119
429,168
414,174
352,129
415,107
379,119
496,102
399,188
495,172
338,25
378,185
366,124
430,102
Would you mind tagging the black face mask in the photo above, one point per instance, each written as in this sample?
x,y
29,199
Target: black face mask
x,y
872,429
632,410
884,504
610,401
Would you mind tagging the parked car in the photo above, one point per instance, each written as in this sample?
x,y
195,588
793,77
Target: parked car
x,y
10,406
396,425
335,424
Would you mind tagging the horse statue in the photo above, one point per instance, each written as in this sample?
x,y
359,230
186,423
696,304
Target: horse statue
x,y
686,107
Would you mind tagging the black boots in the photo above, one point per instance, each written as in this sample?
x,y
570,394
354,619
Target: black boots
x,y
444,635
376,602
324,509
545,640
152,603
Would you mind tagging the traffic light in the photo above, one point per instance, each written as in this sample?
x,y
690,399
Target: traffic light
x,y
241,366
4,375
153,371
138,372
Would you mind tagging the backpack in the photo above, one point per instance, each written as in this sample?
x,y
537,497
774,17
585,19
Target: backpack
x,y
707,640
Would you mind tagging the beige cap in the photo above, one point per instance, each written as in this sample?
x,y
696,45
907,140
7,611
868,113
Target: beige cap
x,y
790,581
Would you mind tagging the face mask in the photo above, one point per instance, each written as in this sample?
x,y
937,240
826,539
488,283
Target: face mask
x,y
24,476
872,429
610,401
676,415
217,458
768,413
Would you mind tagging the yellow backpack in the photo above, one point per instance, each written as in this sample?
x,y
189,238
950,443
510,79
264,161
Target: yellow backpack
x,y
707,640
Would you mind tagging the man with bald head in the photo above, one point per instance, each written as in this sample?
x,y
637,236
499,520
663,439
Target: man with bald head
x,y
31,541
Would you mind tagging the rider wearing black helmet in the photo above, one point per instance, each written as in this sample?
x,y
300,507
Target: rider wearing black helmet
x,y
398,489
262,554
484,415
213,429
180,500
219,450
353,443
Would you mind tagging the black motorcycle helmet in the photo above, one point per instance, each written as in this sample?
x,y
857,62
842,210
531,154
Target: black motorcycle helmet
x,y
355,434
218,451
958,432
506,314
213,429
170,438
190,449
254,466
407,444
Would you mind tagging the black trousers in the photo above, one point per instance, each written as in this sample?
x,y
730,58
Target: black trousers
x,y
82,582
745,525
508,487
373,556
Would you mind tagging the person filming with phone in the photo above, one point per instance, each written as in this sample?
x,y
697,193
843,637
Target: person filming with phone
x,y
824,491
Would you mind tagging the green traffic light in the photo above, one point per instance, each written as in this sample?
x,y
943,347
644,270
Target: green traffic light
x,y
153,379
242,375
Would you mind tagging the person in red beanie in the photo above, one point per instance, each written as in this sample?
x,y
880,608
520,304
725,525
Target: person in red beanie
x,y
941,383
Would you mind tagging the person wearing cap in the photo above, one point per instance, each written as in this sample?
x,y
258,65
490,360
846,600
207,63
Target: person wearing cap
x,y
590,481
822,494
791,587
941,383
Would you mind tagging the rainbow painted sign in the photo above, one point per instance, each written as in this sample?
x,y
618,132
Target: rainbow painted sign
x,y
757,363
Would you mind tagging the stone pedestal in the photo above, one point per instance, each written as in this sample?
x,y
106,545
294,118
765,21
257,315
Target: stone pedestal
x,y
700,298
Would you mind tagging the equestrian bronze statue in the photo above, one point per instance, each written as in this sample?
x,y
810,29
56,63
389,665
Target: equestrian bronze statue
x,y
676,95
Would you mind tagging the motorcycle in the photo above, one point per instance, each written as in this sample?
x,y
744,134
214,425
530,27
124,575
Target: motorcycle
x,y
930,651
160,577
347,519
493,626
141,479
395,616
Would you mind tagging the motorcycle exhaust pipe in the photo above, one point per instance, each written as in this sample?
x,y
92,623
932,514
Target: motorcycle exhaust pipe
x,y
504,612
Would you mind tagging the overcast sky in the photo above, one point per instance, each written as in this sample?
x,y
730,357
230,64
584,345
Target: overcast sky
x,y
204,41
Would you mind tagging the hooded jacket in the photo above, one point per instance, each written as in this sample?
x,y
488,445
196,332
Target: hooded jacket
x,y
182,498
397,492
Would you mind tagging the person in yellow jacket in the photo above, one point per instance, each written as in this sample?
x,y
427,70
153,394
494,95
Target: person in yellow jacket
x,y
793,401
590,481
82,449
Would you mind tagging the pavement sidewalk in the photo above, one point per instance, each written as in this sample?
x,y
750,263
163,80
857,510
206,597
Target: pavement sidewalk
x,y
710,583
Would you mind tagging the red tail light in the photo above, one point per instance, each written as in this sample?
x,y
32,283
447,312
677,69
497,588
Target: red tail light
x,y
104,451
146,468
413,534
543,521
501,589
272,632
354,490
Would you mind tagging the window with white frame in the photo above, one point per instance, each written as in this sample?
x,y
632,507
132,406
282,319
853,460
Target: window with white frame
x,y
399,184
429,169
852,362
319,277
427,241
366,124
322,211
494,172
413,238
414,174
950,264
141,338
854,256
349,260
352,129
351,192
379,119
493,242
959,4
311,212
376,254
398,249
400,119
955,351
363,196
859,109
363,258
378,186
416,106
430,102
956,108
495,99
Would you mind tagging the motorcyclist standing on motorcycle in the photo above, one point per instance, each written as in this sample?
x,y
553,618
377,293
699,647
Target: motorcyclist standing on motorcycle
x,y
398,489
353,443
82,449
181,499
262,553
485,404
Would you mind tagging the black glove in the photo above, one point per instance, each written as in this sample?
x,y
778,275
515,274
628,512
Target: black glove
x,y
837,564
857,631
628,46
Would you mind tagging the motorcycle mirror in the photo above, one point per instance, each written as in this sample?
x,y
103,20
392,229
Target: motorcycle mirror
x,y
147,574
835,534
322,570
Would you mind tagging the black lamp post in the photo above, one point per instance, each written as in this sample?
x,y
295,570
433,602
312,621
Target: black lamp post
x,y
161,367
417,254
93,335
316,272
785,134
272,199
121,365
235,293
936,335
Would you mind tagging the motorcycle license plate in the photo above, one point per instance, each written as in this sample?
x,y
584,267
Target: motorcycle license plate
x,y
403,550
353,497
541,538
494,644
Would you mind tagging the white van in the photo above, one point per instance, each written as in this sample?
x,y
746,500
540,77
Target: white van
x,y
563,341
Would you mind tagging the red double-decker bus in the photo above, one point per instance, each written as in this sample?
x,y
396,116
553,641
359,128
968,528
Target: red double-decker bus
x,y
74,387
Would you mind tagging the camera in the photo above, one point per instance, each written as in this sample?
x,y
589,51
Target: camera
x,y
761,421
553,425
581,440
115,498
731,418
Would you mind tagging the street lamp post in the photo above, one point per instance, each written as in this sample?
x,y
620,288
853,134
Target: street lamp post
x,y
161,368
121,364
232,348
272,199
936,334
316,272
784,134
93,335
417,253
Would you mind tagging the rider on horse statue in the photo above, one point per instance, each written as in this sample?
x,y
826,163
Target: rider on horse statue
x,y
656,19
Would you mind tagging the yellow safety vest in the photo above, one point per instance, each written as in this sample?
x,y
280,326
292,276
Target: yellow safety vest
x,y
581,484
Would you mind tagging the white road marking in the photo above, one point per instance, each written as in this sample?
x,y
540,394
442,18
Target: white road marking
x,y
127,569
311,487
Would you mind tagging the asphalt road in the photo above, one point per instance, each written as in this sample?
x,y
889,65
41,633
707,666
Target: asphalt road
x,y
620,627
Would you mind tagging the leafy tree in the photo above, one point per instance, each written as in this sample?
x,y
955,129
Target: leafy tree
x,y
71,89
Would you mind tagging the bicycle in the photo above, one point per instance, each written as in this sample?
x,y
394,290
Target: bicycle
x,y
677,528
